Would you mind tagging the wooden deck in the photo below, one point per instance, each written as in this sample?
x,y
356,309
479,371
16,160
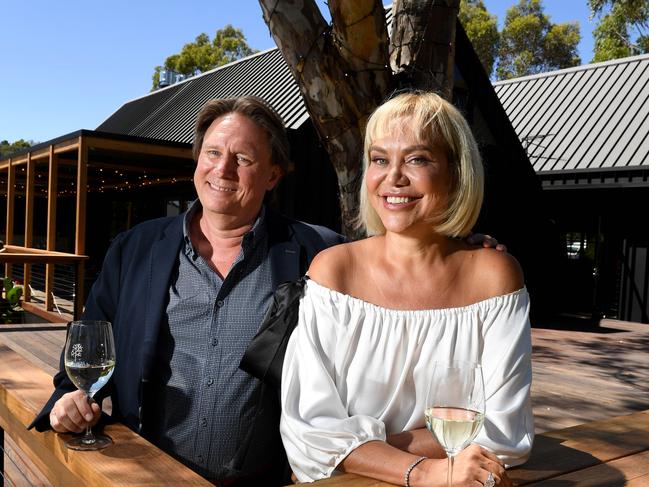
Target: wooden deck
x,y
583,373
40,343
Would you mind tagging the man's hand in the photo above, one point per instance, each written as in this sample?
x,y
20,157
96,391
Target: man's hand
x,y
486,241
73,413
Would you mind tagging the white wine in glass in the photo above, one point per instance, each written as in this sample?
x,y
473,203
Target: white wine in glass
x,y
89,363
455,406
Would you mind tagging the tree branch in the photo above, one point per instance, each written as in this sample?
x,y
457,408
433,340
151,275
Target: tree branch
x,y
361,37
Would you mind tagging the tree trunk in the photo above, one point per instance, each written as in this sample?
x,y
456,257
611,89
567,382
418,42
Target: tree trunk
x,y
344,73
422,47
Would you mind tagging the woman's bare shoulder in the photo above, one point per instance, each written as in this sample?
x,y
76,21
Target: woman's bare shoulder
x,y
335,266
496,272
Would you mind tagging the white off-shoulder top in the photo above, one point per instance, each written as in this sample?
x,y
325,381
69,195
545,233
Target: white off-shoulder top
x,y
355,372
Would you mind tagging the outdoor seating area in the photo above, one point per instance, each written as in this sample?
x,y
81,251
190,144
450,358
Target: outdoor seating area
x,y
584,436
360,244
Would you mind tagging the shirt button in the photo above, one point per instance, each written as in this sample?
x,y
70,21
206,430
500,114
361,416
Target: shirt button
x,y
199,458
215,342
210,382
219,303
204,422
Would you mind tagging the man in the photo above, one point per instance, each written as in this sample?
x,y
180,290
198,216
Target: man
x,y
186,295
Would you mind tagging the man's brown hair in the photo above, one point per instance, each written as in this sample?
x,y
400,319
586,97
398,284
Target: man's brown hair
x,y
256,110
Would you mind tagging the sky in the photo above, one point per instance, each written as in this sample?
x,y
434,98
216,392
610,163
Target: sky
x,y
69,65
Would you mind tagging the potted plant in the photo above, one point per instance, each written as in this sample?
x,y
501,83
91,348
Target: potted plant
x,y
10,310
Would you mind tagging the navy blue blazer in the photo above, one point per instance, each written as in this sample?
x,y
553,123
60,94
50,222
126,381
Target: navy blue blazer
x,y
132,293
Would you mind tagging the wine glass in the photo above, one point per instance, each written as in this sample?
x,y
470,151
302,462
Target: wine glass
x,y
455,406
89,363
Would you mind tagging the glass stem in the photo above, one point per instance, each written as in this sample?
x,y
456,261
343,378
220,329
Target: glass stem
x,y
89,439
449,475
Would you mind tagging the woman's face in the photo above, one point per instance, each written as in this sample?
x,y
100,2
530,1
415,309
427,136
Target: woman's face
x,y
408,181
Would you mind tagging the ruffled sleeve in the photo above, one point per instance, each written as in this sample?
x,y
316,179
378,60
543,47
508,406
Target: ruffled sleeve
x,y
317,431
506,360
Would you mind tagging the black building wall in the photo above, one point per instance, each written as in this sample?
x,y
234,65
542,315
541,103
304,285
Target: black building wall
x,y
604,270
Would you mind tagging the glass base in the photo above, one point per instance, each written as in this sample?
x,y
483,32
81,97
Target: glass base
x,y
83,443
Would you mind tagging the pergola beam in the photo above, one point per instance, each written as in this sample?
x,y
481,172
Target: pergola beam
x,y
80,237
66,146
51,226
11,179
29,221
138,147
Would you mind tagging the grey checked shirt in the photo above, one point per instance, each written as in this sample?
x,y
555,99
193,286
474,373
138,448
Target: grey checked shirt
x,y
206,408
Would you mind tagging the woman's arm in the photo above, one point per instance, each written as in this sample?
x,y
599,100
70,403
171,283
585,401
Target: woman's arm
x,y
378,460
418,442
506,361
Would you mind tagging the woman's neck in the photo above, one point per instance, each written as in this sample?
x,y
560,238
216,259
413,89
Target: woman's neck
x,y
406,251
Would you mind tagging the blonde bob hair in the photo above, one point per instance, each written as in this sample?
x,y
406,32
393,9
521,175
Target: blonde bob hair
x,y
433,120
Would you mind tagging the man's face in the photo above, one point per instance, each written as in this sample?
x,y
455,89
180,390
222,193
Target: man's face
x,y
234,168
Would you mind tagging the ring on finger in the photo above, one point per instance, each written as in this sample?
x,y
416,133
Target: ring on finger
x,y
490,482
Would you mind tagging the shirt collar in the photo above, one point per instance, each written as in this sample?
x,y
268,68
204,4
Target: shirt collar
x,y
250,239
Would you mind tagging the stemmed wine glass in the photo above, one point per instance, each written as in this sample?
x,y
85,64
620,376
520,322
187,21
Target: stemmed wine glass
x,y
455,406
89,363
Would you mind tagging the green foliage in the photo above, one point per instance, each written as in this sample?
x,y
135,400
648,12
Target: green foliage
x,y
10,310
6,148
530,43
229,44
622,28
482,28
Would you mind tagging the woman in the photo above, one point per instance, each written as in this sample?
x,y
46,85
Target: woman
x,y
378,312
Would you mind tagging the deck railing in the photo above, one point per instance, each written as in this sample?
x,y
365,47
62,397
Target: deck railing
x,y
11,255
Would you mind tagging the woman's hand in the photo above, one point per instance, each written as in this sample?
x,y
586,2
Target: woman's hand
x,y
471,468
73,413
473,465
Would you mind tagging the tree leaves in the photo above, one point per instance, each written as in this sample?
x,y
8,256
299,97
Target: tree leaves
x,y
10,310
6,148
530,43
622,28
482,29
203,54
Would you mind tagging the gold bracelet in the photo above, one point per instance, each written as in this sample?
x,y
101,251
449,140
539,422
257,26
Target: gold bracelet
x,y
406,477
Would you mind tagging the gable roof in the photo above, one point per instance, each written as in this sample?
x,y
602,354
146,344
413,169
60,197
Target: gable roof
x,y
591,118
170,113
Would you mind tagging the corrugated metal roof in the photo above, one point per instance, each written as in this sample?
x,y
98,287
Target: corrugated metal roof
x,y
170,113
589,118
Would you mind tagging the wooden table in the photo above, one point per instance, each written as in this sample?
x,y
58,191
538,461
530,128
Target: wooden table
x,y
25,387
608,453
